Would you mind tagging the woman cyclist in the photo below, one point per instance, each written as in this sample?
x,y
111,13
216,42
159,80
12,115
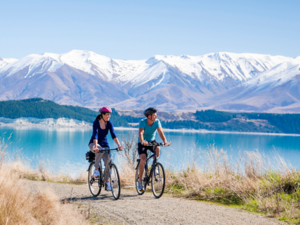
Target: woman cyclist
x,y
98,141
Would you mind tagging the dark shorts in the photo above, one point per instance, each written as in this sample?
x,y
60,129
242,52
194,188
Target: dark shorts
x,y
143,149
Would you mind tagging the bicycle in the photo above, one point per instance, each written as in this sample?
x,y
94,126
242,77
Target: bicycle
x,y
95,184
156,175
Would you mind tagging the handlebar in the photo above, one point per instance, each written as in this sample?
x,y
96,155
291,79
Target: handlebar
x,y
158,144
108,149
105,149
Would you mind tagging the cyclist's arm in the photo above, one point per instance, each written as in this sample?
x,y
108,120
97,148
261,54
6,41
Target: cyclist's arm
x,y
112,130
162,135
141,137
113,135
95,135
118,143
95,130
95,141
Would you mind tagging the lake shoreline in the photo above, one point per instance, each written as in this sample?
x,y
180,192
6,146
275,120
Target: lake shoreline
x,y
70,124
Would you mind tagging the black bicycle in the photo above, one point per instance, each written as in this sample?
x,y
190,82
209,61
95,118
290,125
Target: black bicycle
x,y
95,184
156,175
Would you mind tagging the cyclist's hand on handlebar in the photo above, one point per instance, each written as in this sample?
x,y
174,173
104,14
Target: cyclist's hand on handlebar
x,y
166,144
97,148
145,143
120,148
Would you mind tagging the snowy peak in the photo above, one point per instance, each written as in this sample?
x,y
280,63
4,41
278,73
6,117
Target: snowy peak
x,y
6,61
88,62
221,66
278,75
241,67
33,63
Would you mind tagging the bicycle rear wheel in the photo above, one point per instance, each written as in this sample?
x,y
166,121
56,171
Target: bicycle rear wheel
x,y
158,180
137,180
94,183
115,182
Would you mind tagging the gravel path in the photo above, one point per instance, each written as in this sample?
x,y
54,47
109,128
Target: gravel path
x,y
145,209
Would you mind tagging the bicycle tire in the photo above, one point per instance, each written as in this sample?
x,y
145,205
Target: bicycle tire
x,y
115,182
158,180
137,180
94,184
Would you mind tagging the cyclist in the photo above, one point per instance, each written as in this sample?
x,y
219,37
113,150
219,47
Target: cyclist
x,y
147,132
98,141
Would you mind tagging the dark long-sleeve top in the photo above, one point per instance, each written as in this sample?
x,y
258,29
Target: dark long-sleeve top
x,y
101,135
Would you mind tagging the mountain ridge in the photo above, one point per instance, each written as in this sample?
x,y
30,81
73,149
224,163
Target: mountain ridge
x,y
171,83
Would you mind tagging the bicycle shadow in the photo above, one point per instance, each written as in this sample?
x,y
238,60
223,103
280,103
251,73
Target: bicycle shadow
x,y
104,197
90,198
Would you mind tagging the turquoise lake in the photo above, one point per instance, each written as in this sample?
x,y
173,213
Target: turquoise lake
x,y
65,148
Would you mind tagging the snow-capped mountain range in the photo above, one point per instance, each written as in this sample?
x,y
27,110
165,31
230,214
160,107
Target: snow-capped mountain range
x,y
226,81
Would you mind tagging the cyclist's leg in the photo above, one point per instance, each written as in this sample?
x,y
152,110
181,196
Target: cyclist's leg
x,y
157,151
142,150
143,158
97,159
97,155
157,148
106,160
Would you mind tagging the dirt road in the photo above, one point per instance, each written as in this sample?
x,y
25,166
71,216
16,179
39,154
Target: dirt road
x,y
145,209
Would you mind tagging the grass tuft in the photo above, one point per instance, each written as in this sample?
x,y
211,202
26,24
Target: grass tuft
x,y
21,206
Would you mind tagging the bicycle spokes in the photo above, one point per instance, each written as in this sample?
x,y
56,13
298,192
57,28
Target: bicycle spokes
x,y
157,175
94,183
115,181
158,180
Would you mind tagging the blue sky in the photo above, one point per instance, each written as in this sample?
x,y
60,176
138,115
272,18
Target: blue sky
x,y
141,29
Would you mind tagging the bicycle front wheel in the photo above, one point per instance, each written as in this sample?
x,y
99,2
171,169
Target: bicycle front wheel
x,y
158,180
94,183
115,182
137,181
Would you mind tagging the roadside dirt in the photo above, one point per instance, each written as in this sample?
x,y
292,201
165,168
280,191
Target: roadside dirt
x,y
145,209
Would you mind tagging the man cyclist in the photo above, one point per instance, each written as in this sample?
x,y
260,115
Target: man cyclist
x,y
147,132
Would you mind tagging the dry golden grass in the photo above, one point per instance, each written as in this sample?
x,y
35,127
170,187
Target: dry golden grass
x,y
252,181
23,171
247,176
127,175
20,206
17,206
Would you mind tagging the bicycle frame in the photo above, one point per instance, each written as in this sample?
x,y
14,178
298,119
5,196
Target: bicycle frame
x,y
147,181
113,177
156,175
100,164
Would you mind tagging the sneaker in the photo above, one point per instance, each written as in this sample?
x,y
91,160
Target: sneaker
x,y
96,174
140,186
157,175
107,186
